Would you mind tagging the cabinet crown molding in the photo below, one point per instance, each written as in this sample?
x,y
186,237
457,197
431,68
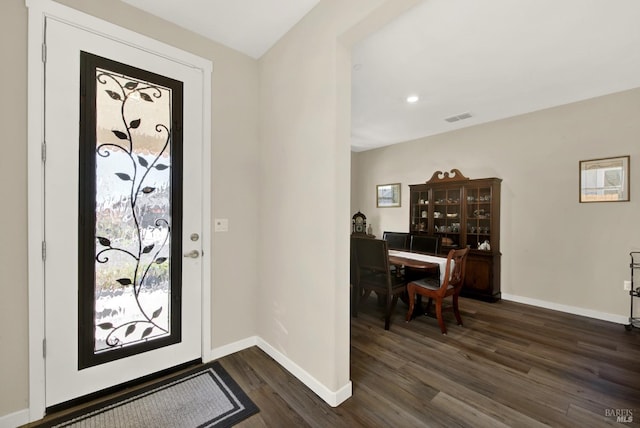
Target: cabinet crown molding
x,y
442,177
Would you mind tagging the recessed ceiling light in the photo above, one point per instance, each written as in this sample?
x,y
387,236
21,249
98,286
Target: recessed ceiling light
x,y
412,99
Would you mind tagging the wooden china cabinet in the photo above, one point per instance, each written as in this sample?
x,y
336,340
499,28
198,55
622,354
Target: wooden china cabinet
x,y
463,212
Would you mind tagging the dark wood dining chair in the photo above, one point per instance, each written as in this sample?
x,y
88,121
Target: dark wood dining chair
x,y
426,244
396,240
373,274
433,290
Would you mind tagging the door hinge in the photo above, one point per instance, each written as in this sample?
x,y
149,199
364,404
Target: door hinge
x,y
43,151
44,251
44,53
44,348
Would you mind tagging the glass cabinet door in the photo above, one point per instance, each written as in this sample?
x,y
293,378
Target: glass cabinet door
x,y
478,216
420,211
446,216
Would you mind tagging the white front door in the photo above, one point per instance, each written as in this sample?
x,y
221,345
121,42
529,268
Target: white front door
x,y
123,250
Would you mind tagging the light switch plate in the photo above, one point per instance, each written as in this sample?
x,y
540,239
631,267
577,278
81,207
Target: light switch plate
x,y
221,225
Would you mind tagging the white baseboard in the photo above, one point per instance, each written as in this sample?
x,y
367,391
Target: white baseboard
x,y
14,420
229,349
618,319
333,398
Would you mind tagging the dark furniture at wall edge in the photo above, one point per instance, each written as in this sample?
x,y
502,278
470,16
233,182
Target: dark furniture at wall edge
x,y
463,212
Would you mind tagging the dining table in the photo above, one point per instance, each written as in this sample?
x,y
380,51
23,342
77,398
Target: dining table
x,y
426,262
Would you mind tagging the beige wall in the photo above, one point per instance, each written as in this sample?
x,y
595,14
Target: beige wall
x,y
235,167
14,326
554,248
304,109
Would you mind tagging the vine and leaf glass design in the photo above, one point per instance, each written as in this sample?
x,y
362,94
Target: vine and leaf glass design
x,y
132,239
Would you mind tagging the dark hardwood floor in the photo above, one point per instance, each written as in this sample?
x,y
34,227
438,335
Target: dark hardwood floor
x,y
510,365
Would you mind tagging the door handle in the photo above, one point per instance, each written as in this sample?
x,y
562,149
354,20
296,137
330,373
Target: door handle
x,y
194,254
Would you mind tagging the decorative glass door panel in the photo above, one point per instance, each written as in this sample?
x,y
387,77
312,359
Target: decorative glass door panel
x,y
130,211
121,301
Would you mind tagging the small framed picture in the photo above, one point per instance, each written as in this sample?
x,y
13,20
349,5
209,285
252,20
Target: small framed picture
x,y
604,180
388,195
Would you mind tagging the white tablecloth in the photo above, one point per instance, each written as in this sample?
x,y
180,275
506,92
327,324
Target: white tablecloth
x,y
441,261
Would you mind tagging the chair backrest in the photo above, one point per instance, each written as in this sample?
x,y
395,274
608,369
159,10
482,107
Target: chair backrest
x,y
427,244
454,277
352,265
371,255
396,240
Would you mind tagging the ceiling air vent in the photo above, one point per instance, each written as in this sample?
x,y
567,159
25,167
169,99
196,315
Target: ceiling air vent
x,y
458,117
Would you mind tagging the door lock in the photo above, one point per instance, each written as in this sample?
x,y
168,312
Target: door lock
x,y
194,254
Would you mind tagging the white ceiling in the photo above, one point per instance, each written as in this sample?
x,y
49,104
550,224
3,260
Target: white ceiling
x,y
492,58
249,26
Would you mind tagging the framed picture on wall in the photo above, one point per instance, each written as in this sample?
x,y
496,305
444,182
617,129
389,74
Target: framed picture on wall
x,y
388,195
604,180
